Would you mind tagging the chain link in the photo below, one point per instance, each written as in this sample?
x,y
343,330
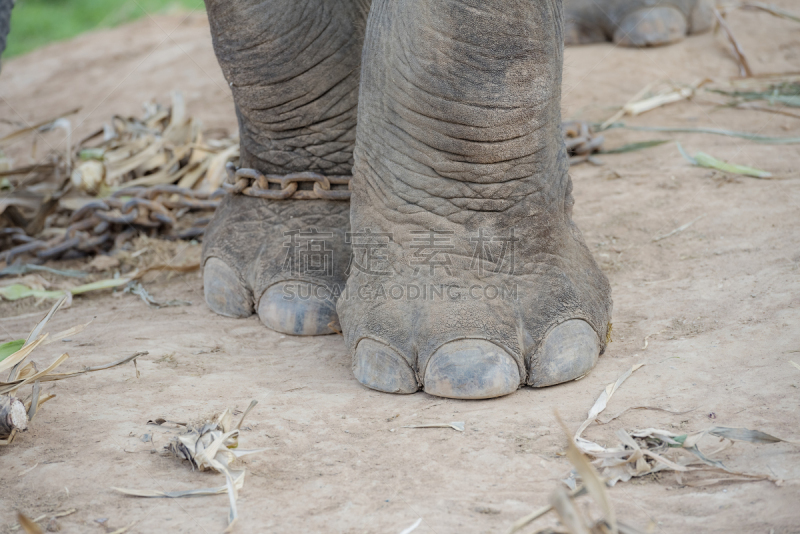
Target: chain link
x,y
108,223
580,140
252,183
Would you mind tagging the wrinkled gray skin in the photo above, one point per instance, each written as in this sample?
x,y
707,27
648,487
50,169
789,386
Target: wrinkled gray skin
x,y
458,106
634,22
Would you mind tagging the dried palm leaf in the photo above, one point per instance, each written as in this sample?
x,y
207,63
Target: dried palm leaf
x,y
211,446
14,415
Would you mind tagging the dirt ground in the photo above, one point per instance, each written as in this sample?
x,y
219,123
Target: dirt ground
x,y
713,312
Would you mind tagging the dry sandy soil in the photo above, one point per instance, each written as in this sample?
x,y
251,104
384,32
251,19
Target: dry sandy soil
x,y
718,303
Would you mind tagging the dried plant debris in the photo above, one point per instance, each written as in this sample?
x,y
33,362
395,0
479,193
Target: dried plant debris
x,y
153,175
575,519
786,93
210,446
135,288
651,450
741,58
28,524
19,289
581,142
652,96
14,414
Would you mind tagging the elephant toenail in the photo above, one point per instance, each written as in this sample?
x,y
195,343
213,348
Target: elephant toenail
x,y
651,26
299,309
568,351
224,292
471,369
380,367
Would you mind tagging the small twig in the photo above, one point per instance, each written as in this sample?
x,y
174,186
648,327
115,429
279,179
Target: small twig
x,y
772,10
744,66
528,519
678,230
761,107
123,529
619,114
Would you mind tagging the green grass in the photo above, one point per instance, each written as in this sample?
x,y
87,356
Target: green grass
x,y
35,23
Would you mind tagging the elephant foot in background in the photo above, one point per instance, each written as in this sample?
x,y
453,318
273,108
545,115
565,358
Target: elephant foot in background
x,y
472,279
634,22
256,260
293,70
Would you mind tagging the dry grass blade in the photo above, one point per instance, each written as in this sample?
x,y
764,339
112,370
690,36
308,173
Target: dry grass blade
x,y
123,530
666,94
602,401
794,364
678,229
200,492
745,434
456,425
767,140
744,66
14,416
247,411
21,291
772,10
21,354
28,525
568,513
413,527
13,136
591,479
768,109
101,367
536,514
655,408
621,113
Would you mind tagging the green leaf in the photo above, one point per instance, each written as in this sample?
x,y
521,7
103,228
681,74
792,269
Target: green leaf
x,y
706,160
680,439
715,131
10,347
19,291
701,159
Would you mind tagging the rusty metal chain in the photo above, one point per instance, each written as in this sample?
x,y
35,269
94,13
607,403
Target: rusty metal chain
x,y
109,223
252,183
581,141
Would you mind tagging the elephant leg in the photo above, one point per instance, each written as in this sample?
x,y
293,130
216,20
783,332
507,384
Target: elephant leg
x,y
634,22
5,22
293,68
469,277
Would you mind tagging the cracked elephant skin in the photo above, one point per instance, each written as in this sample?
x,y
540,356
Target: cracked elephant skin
x,y
460,272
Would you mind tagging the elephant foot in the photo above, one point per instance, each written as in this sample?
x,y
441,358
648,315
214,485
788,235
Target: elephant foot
x,y
636,23
279,259
469,278
293,70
